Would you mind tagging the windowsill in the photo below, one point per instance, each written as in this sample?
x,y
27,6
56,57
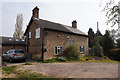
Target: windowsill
x,y
56,55
82,52
37,38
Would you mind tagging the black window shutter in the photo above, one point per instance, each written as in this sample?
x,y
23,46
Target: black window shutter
x,y
83,49
55,50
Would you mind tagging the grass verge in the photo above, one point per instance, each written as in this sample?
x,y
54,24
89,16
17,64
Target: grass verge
x,y
28,64
25,75
28,74
9,69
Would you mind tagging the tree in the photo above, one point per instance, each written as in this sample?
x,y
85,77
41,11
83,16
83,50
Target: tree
x,y
91,35
118,43
94,41
113,34
112,12
97,44
98,33
18,33
108,44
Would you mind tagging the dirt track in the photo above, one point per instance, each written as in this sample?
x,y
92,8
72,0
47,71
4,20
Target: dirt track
x,y
76,70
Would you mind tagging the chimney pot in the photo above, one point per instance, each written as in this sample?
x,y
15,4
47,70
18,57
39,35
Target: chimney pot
x,y
74,24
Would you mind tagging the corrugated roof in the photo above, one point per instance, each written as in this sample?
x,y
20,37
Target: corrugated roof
x,y
11,41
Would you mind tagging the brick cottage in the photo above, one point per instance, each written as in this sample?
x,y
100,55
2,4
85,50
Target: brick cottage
x,y
46,39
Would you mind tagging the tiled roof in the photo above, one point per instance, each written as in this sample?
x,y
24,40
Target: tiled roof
x,y
56,26
11,41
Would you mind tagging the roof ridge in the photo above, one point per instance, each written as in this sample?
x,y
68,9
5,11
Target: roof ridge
x,y
52,22
57,26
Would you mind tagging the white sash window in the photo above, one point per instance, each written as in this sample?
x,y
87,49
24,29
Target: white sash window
x,y
37,33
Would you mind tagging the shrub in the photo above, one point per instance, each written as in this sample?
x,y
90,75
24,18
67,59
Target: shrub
x,y
73,59
61,59
115,55
50,60
71,52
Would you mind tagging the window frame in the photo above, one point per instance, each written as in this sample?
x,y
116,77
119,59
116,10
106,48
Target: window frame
x,y
29,34
37,31
56,50
83,49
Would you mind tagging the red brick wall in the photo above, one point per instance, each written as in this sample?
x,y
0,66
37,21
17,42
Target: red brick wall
x,y
34,44
52,40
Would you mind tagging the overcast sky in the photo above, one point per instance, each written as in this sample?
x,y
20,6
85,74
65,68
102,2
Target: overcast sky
x,y
86,12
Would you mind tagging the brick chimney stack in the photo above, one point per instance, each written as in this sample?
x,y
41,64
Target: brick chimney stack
x,y
74,24
36,12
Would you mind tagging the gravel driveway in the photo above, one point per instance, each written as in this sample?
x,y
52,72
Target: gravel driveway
x,y
76,70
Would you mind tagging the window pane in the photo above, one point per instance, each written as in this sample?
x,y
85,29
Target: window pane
x,y
81,49
38,33
58,50
29,34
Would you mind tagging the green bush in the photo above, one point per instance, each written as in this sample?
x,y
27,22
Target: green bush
x,y
73,59
50,60
61,59
72,53
115,55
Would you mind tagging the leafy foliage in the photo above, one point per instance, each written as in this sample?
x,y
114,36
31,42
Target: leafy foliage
x,y
53,60
112,12
108,44
71,52
61,59
118,43
100,41
18,33
98,50
116,54
91,36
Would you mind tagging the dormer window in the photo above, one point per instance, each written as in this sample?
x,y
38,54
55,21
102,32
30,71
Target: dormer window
x,y
37,33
